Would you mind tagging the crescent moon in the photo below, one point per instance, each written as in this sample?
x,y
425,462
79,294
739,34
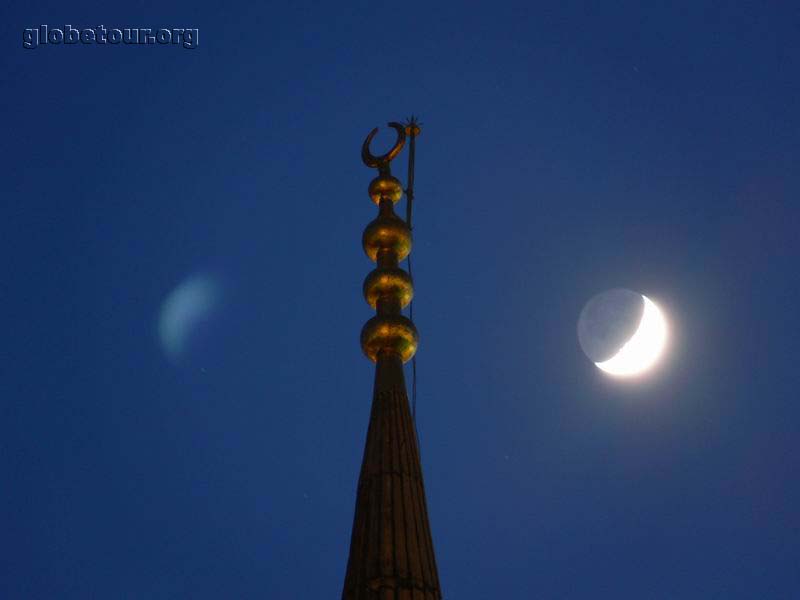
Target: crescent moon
x,y
645,346
377,162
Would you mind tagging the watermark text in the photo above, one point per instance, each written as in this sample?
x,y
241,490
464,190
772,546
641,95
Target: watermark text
x,y
34,37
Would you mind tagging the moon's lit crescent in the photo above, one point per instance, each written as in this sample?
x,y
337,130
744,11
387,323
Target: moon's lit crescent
x,y
645,346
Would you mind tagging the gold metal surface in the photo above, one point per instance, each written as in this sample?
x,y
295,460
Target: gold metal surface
x,y
385,186
388,284
387,240
413,127
387,234
389,334
382,162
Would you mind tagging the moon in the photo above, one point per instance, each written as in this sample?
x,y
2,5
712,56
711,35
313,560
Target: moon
x,y
622,332
184,311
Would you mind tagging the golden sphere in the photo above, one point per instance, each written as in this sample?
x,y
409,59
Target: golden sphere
x,y
387,233
392,334
385,186
388,283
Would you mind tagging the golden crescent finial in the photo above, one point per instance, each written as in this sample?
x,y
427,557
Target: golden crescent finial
x,y
382,162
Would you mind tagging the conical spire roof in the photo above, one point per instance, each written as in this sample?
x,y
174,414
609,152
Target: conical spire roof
x,y
391,551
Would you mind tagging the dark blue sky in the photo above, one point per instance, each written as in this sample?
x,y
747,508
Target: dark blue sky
x,y
566,150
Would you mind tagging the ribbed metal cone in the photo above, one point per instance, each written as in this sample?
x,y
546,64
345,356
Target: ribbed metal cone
x,y
391,551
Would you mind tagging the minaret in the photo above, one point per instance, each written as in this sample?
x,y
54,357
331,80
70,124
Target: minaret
x,y
391,551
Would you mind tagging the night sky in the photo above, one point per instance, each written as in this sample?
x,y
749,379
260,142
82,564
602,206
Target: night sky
x,y
566,149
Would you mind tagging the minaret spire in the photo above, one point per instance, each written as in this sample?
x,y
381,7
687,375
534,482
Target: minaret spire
x,y
391,550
